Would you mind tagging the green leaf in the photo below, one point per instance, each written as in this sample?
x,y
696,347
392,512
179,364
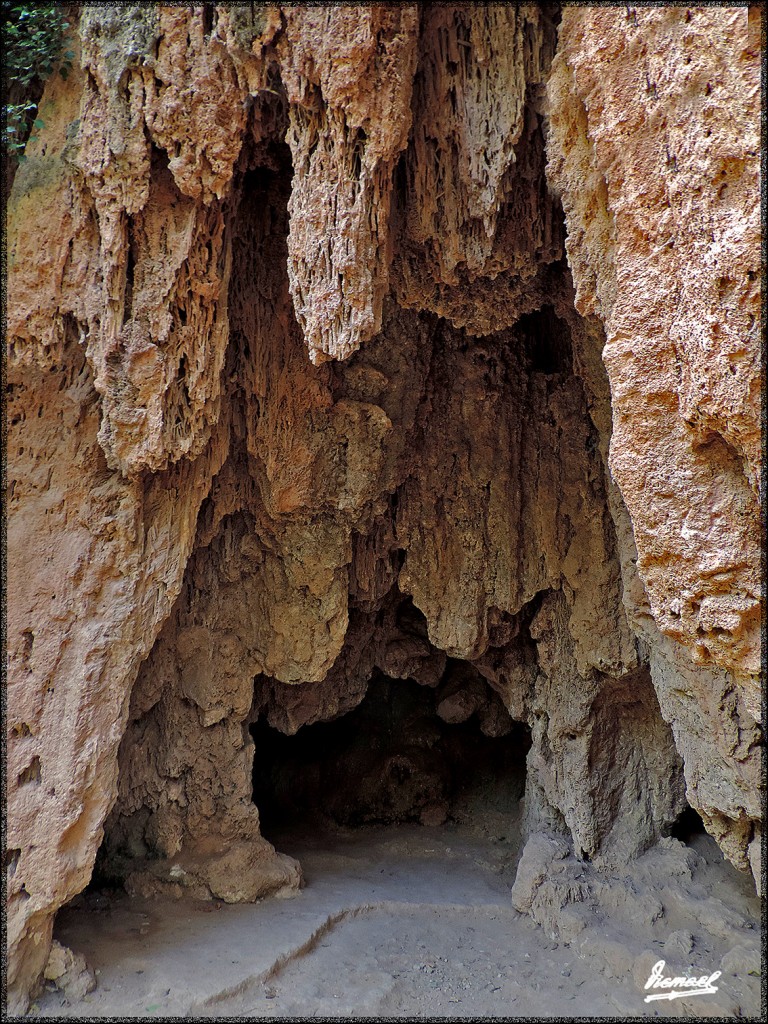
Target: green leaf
x,y
37,123
34,39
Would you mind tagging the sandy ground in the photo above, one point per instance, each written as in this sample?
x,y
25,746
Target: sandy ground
x,y
408,921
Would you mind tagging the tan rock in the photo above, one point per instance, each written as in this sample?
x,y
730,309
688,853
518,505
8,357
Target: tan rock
x,y
656,158
206,525
69,971
348,73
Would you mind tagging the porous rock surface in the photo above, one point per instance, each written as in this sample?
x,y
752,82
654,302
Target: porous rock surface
x,y
301,388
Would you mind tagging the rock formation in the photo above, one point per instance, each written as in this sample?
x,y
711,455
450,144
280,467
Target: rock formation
x,y
412,340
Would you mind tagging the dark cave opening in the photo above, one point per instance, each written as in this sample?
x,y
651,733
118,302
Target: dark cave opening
x,y
688,826
392,760
546,342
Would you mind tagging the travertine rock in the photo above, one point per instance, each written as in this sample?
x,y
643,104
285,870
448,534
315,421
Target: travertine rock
x,y
655,150
69,972
622,923
477,230
656,161
95,559
206,525
602,757
348,73
716,736
95,564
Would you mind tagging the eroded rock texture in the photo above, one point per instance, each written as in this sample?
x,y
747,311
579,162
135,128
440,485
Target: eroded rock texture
x,y
664,247
300,391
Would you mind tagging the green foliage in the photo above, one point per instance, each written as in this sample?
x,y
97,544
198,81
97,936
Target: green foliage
x,y
248,21
33,40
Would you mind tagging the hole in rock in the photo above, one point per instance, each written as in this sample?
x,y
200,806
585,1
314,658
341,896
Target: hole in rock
x,y
31,773
406,754
11,861
688,826
130,268
546,341
209,18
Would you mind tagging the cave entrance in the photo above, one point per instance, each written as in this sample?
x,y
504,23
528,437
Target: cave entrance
x,y
408,753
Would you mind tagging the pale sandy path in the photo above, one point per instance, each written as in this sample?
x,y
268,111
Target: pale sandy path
x,y
409,921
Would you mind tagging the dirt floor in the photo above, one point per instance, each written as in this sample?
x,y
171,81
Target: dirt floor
x,y
406,921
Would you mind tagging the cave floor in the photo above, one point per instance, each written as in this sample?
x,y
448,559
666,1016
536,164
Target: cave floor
x,y
406,921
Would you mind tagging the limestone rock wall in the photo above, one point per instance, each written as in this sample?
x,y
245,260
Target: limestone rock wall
x,y
300,389
349,77
715,732
96,559
477,231
658,110
664,244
